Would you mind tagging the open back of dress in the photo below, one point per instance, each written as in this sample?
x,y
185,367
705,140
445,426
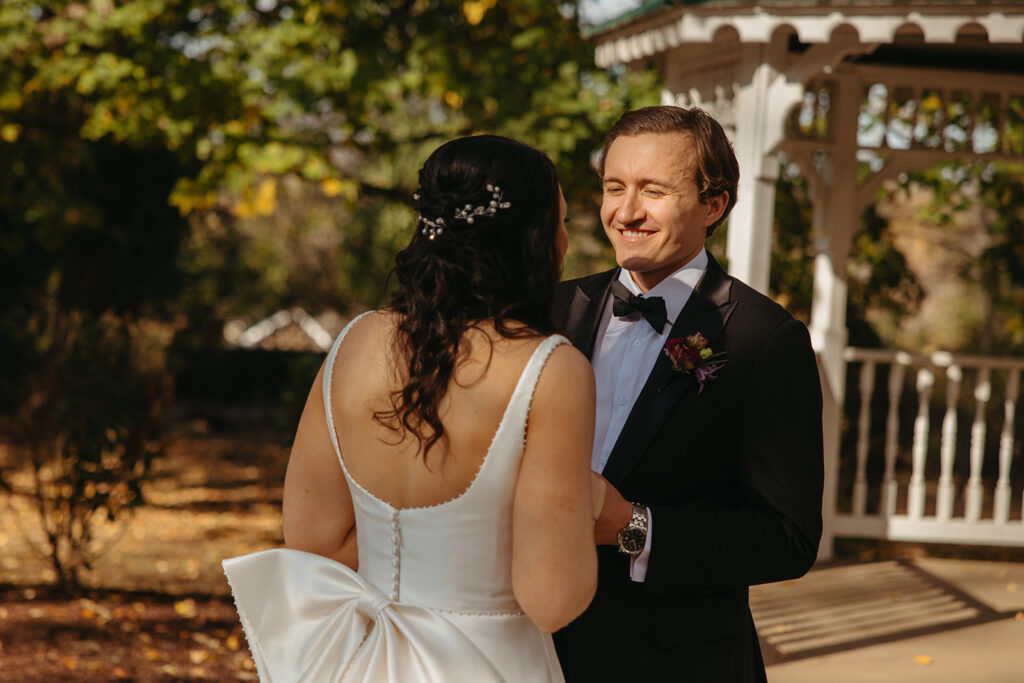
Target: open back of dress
x,y
432,600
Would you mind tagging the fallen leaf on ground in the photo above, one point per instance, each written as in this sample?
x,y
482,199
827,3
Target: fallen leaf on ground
x,y
1011,587
186,608
922,659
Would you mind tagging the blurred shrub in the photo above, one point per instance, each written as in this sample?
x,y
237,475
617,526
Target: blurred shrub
x,y
96,388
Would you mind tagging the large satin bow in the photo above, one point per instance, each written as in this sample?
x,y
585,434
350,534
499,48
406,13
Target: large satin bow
x,y
309,618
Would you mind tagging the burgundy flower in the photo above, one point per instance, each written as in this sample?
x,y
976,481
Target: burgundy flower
x,y
692,354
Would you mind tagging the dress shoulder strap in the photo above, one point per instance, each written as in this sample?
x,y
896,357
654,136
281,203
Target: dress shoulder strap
x,y
328,372
498,471
519,405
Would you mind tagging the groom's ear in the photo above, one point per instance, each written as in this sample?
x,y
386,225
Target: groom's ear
x,y
715,208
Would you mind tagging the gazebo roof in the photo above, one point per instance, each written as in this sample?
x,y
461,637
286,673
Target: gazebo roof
x,y
660,25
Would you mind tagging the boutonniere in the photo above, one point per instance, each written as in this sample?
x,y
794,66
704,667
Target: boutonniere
x,y
693,355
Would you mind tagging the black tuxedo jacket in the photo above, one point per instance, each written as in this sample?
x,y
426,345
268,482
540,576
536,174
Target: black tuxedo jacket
x,y
733,478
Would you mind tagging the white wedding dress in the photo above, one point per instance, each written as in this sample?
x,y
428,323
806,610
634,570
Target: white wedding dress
x,y
432,600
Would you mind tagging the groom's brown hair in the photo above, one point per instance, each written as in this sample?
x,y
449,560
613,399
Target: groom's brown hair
x,y
717,168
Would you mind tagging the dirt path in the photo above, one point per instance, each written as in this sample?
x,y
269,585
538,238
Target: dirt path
x,y
158,606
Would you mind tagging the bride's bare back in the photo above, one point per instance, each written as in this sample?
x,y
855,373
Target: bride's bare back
x,y
390,464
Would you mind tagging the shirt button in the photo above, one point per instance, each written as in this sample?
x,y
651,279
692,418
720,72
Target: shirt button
x,y
621,401
636,343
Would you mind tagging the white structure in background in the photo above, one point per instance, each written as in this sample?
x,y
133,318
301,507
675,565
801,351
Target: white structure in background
x,y
829,84
236,332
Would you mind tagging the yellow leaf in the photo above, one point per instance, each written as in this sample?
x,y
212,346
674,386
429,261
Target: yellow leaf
x,y
266,198
242,209
69,663
331,187
120,673
231,642
922,659
10,132
186,608
476,9
151,655
198,656
453,99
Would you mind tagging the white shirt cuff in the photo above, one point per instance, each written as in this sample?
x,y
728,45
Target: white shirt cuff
x,y
638,563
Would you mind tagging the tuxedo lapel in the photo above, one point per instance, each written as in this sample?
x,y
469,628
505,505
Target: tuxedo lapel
x,y
707,312
584,316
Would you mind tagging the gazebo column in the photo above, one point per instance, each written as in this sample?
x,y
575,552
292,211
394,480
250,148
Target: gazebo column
x,y
749,240
764,97
835,221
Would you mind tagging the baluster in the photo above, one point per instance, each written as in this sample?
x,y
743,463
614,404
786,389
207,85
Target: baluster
x,y
919,452
1002,498
887,120
860,482
982,394
914,142
972,118
892,431
947,449
1003,125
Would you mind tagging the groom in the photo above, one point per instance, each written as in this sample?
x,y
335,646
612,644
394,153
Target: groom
x,y
714,458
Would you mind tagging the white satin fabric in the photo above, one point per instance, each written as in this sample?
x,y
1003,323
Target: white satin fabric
x,y
432,600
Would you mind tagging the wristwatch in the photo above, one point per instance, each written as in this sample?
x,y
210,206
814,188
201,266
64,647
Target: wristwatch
x,y
633,536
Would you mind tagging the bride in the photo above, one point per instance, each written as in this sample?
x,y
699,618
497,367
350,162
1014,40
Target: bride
x,y
438,506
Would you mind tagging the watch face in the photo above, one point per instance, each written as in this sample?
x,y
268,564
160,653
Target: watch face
x,y
632,540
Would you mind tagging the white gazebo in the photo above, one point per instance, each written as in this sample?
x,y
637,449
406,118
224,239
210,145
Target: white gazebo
x,y
838,87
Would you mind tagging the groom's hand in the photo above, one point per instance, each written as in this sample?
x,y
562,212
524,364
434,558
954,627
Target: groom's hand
x,y
614,517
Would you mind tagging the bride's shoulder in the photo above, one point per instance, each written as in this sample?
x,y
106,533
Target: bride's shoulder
x,y
566,371
372,324
365,333
566,358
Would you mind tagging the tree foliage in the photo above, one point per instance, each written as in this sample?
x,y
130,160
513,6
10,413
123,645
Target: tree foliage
x,y
996,263
878,277
348,96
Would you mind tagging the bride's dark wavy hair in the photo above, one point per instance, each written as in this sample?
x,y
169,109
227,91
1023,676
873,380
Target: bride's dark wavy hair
x,y
499,268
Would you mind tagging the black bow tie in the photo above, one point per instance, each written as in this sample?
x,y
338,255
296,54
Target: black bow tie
x,y
651,308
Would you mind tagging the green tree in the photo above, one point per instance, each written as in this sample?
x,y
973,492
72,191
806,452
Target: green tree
x,y
348,95
878,275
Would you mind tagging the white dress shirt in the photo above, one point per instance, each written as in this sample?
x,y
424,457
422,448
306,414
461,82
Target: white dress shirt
x,y
624,355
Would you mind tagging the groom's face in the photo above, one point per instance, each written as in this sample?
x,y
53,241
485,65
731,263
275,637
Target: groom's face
x,y
650,210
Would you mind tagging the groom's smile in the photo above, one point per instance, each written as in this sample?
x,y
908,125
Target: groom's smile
x,y
650,209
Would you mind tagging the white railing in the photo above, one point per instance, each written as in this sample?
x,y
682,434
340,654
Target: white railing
x,y
908,500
